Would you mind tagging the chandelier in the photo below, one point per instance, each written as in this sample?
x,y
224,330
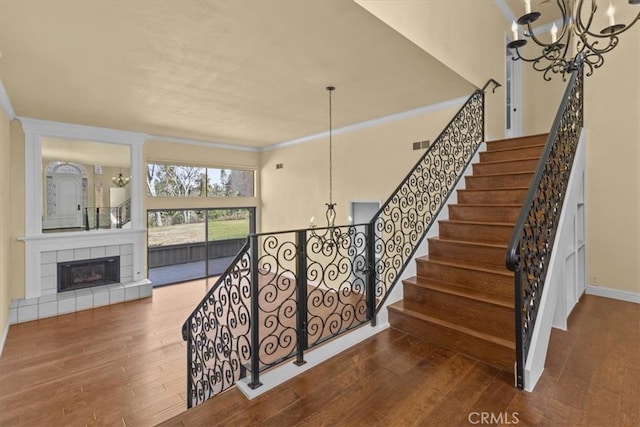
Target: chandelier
x,y
120,181
572,45
331,235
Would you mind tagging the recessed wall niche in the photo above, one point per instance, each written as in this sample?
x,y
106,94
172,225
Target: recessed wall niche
x,y
79,192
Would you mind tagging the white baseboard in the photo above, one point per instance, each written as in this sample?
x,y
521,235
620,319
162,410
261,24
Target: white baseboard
x,y
3,338
313,358
618,294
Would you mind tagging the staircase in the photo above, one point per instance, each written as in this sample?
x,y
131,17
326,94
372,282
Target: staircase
x,y
462,297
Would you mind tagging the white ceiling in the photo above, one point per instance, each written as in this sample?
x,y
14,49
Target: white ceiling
x,y
249,73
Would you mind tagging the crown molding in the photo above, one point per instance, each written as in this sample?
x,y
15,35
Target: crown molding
x,y
202,143
90,133
67,130
369,123
506,11
6,103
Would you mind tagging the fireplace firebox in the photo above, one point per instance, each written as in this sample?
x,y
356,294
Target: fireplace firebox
x,y
87,273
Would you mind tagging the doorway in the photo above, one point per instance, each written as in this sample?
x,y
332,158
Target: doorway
x,y
65,196
362,212
513,95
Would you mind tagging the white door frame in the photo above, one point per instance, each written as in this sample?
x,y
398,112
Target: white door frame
x,y
64,197
513,93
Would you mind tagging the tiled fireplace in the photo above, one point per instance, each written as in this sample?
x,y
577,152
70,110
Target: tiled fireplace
x,y
49,255
88,273
44,251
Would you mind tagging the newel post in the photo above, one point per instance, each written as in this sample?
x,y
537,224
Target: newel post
x,y
254,321
371,273
301,283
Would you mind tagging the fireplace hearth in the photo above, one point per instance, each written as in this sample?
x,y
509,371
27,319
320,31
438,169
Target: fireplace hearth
x,y
87,273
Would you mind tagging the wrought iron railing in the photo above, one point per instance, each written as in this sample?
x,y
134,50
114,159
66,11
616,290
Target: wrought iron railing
x,y
404,220
218,333
97,218
284,293
123,213
289,291
100,218
531,245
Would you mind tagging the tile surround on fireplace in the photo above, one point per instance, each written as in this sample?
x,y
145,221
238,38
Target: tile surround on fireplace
x,y
44,252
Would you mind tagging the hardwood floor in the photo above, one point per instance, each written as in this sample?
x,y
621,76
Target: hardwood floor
x,y
592,378
125,365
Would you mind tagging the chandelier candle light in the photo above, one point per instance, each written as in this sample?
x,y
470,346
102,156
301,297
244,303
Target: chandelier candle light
x,y
120,181
575,45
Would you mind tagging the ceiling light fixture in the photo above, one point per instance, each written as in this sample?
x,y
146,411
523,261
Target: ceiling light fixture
x,y
120,181
332,235
573,44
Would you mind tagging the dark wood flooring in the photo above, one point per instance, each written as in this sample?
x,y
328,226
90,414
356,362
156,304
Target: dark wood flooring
x,y
125,365
592,378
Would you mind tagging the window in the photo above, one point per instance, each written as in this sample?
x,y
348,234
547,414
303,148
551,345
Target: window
x,y
193,181
187,244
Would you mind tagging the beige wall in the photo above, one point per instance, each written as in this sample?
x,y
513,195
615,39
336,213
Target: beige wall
x,y
368,164
17,210
5,221
611,112
474,48
612,117
541,100
11,215
452,32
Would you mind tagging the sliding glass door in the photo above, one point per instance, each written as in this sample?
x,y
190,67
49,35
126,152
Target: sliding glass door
x,y
185,245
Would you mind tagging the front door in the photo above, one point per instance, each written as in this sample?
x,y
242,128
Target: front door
x,y
64,210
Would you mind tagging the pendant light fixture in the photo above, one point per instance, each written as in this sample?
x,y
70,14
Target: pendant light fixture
x,y
120,181
332,235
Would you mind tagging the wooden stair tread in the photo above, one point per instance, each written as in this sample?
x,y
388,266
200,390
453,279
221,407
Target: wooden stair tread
x,y
461,291
493,162
523,147
470,242
518,138
467,222
468,266
489,205
399,307
494,189
503,174
462,295
471,263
